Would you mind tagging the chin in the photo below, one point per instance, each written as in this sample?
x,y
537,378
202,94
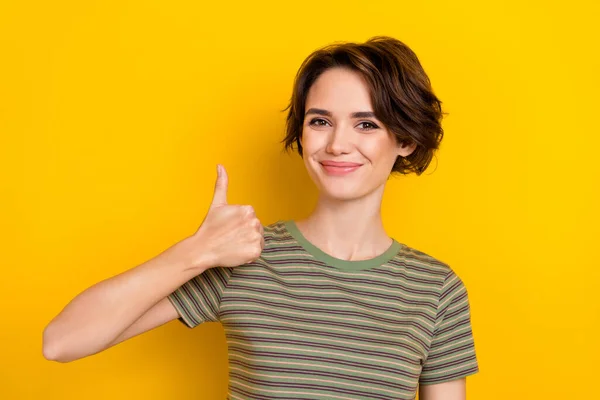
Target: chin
x,y
336,192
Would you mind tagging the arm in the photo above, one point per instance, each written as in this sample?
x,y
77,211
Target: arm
x,y
452,390
136,300
120,307
160,313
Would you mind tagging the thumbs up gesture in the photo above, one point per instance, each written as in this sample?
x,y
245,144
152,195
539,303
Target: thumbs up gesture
x,y
231,235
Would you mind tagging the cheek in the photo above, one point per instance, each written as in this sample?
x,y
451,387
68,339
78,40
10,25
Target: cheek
x,y
310,142
380,152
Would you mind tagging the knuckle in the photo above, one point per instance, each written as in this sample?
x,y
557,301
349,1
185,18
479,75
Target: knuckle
x,y
244,213
239,210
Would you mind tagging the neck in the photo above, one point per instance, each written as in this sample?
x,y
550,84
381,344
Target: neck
x,y
347,229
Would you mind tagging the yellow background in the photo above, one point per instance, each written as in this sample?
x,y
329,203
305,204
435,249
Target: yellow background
x,y
114,114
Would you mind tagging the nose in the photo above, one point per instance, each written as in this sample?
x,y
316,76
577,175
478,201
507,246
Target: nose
x,y
339,141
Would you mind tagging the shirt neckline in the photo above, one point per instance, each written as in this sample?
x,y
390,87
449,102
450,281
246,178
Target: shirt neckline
x,y
344,265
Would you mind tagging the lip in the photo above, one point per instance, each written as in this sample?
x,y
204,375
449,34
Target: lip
x,y
339,168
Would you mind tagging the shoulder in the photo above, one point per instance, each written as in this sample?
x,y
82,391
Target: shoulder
x,y
423,262
277,239
448,285
431,269
275,227
275,232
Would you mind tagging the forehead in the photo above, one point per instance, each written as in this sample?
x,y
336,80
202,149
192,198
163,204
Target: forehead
x,y
339,90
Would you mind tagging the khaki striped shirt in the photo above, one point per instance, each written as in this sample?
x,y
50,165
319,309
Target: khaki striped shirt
x,y
301,324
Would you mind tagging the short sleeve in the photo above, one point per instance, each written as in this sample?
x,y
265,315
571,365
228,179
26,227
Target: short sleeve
x,y
199,299
452,350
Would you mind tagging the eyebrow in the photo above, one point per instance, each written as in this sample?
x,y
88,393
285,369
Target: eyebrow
x,y
357,114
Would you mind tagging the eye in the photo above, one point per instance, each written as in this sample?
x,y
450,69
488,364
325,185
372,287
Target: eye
x,y
373,126
312,122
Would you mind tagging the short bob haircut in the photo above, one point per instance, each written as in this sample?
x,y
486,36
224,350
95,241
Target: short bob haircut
x,y
400,91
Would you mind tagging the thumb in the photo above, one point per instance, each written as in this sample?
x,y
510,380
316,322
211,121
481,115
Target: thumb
x,y
220,195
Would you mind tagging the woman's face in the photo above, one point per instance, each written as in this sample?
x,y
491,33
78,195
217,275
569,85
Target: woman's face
x,y
339,127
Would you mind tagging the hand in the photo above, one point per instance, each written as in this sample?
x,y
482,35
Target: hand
x,y
231,234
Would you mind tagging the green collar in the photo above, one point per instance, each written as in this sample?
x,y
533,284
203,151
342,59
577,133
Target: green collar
x,y
344,265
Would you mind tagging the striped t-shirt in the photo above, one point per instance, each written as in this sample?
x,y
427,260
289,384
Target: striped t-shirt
x,y
301,324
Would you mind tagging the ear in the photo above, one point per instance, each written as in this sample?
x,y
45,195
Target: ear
x,y
404,149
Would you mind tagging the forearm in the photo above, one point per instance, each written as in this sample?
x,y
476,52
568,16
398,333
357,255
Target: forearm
x,y
98,315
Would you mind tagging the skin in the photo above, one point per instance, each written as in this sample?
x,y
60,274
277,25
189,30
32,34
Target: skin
x,y
346,219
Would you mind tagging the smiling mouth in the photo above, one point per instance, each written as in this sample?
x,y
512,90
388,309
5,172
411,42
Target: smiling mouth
x,y
339,169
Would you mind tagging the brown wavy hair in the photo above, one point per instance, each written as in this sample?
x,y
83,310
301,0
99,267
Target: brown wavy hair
x,y
400,91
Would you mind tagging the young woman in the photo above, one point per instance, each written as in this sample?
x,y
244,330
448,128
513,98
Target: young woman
x,y
327,307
